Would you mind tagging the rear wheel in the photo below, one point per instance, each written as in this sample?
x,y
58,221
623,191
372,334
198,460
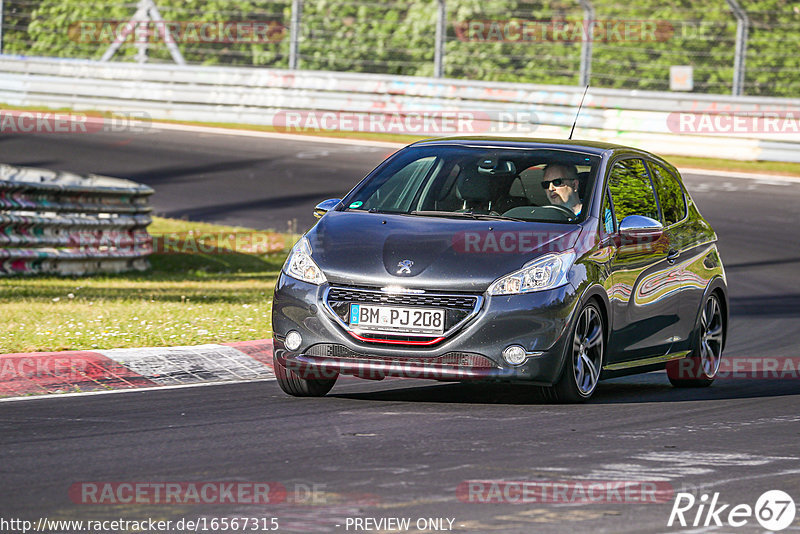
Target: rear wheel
x,y
293,384
584,362
700,368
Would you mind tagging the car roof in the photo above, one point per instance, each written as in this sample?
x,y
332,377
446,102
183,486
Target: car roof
x,y
592,147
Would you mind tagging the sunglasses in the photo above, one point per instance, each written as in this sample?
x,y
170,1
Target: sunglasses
x,y
558,182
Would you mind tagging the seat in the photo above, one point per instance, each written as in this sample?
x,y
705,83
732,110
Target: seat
x,y
510,200
477,191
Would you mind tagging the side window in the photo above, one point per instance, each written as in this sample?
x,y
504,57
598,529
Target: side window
x,y
608,216
631,190
670,194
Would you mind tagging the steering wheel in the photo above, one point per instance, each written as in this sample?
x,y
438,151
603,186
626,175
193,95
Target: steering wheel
x,y
561,209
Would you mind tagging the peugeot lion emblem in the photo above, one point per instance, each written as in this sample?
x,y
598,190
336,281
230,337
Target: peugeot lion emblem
x,y
405,267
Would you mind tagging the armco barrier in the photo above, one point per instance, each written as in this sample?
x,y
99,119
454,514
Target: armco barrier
x,y
649,120
63,223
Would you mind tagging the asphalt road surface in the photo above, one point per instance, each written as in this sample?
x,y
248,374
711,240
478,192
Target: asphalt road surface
x,y
255,182
403,448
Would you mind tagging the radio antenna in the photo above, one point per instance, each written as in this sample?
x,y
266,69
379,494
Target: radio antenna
x,y
578,113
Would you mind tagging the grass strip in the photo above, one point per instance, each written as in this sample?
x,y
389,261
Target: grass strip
x,y
221,293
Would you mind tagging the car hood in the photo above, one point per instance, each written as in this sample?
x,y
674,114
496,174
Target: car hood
x,y
432,253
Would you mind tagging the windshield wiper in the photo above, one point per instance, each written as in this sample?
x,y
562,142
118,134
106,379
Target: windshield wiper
x,y
434,213
465,215
490,217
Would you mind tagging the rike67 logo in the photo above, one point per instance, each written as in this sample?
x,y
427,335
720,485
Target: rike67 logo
x,y
774,510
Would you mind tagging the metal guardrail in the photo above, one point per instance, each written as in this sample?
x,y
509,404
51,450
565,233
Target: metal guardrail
x,y
719,46
259,96
68,224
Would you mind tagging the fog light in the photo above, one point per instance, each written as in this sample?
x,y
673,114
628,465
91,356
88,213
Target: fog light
x,y
514,354
293,340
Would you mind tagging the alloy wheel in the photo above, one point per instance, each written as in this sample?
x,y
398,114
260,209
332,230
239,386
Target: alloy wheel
x,y
587,350
711,337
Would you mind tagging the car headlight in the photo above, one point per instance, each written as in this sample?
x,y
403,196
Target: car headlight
x,y
547,272
299,264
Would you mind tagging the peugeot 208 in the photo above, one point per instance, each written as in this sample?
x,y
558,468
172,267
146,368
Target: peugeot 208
x,y
554,263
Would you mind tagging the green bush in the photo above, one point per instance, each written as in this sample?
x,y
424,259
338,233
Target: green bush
x,y
54,28
397,37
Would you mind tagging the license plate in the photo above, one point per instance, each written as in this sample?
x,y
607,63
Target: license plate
x,y
397,319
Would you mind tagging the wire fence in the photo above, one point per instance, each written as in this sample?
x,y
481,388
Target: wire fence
x,y
607,43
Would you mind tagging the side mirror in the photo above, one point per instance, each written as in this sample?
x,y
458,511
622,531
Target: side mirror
x,y
325,206
640,229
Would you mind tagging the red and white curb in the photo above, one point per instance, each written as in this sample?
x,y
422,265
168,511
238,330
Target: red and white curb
x,y
105,370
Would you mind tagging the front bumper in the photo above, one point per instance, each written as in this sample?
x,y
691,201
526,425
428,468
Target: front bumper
x,y
537,321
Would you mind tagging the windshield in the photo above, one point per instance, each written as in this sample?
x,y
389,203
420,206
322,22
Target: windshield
x,y
481,182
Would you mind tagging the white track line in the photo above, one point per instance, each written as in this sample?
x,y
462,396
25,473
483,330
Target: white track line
x,y
742,175
274,135
130,390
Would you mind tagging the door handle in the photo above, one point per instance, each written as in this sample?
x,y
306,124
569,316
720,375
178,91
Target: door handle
x,y
672,255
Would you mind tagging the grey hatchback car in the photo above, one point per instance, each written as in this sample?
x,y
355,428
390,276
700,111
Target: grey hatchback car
x,y
552,263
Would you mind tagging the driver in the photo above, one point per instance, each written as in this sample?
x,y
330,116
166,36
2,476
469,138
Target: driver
x,y
561,183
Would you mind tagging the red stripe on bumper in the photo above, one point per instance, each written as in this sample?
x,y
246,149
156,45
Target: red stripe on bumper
x,y
396,342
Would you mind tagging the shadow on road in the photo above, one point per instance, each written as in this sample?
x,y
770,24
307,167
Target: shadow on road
x,y
42,163
764,263
160,175
214,211
647,388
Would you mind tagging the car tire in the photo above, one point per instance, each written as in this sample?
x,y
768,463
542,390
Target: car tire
x,y
584,353
700,368
293,384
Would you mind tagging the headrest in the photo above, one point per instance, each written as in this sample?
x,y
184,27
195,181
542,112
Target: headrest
x,y
474,187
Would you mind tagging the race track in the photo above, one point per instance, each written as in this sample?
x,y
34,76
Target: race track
x,y
254,182
402,448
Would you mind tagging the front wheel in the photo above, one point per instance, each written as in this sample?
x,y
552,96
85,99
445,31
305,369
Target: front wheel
x,y
584,359
700,368
292,383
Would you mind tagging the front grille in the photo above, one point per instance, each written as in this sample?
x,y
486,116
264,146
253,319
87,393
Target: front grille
x,y
457,308
455,359
366,296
